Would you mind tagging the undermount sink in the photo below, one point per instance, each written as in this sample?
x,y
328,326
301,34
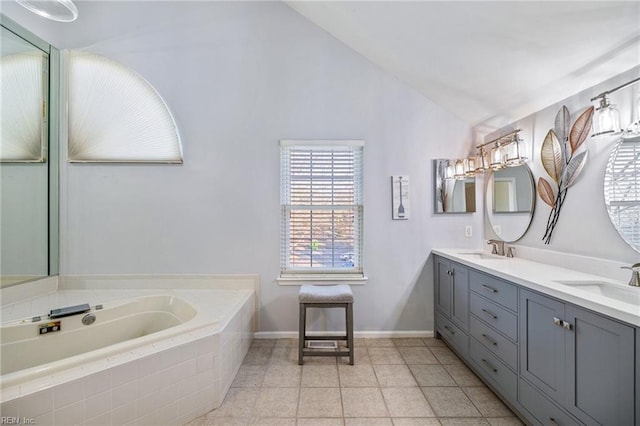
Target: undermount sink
x,y
613,291
480,255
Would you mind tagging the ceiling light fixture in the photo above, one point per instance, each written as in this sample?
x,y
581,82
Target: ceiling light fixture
x,y
56,10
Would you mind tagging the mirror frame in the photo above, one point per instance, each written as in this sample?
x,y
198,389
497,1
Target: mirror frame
x,y
489,203
53,155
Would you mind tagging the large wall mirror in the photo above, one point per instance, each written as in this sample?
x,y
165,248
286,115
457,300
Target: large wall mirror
x,y
510,201
28,155
453,194
622,189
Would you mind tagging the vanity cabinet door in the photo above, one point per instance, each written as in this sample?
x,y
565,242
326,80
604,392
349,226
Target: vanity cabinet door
x,y
443,286
452,291
542,343
460,296
599,368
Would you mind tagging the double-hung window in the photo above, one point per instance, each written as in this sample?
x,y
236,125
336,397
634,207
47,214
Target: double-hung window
x,y
322,208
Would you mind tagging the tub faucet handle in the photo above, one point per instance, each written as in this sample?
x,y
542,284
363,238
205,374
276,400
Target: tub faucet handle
x,y
635,274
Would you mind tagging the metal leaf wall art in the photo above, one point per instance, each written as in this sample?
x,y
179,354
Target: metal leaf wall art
x,y
562,162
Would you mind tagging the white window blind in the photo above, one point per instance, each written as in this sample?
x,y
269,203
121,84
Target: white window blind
x,y
322,208
115,115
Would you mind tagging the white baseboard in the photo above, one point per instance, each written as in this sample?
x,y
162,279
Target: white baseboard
x,y
357,334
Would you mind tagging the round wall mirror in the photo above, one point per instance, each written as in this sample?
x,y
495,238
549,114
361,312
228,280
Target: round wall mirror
x,y
622,189
510,201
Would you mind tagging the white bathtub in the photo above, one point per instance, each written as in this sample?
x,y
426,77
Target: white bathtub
x,y
159,356
27,355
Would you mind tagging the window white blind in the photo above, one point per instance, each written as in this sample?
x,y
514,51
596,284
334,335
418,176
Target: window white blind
x,y
622,189
322,208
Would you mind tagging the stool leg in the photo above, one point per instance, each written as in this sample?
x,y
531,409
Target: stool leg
x,y
350,331
301,331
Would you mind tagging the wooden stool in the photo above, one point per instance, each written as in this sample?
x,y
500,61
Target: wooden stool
x,y
325,296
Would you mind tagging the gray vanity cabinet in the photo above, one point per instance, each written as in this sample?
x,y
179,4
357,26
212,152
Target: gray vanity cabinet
x,y
552,361
581,360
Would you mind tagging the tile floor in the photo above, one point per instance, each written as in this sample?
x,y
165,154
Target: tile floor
x,y
393,382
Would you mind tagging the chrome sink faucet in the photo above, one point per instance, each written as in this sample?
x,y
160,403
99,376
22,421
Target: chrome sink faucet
x,y
635,274
498,247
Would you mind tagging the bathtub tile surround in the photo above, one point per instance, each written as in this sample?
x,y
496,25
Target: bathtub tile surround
x,y
328,391
166,382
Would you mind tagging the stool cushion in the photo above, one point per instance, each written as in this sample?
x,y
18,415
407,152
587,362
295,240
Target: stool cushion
x,y
325,294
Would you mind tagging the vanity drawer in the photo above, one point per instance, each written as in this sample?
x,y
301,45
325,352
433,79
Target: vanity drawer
x,y
494,370
499,345
494,315
495,289
543,410
452,334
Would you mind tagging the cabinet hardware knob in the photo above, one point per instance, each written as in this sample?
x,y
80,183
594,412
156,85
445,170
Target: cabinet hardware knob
x,y
557,321
490,289
488,364
566,325
446,327
553,421
490,314
490,340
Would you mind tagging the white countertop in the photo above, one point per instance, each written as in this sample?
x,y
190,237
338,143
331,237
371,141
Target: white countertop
x,y
544,278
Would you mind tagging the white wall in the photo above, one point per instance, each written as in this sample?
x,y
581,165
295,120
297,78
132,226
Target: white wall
x,y
584,227
239,77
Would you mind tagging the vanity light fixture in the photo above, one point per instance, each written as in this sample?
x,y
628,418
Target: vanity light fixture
x,y
513,156
459,170
505,151
469,166
497,157
493,155
482,160
607,117
56,10
448,170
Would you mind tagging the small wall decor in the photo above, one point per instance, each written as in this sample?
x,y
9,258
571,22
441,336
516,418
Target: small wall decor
x,y
562,162
400,197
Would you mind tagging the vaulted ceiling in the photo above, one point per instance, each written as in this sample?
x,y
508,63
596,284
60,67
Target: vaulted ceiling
x,y
488,61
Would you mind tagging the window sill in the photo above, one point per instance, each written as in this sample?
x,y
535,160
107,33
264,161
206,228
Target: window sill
x,y
321,279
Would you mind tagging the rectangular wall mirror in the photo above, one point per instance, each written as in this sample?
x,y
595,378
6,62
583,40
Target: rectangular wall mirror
x,y
453,193
29,163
